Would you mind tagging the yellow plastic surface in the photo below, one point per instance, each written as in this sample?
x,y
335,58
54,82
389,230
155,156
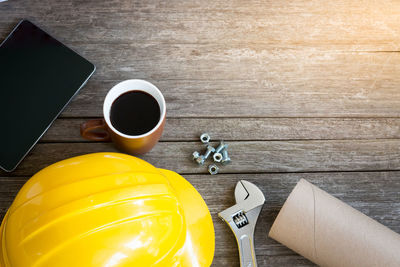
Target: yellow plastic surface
x,y
106,209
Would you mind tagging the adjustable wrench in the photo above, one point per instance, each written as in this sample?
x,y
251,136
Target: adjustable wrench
x,y
242,219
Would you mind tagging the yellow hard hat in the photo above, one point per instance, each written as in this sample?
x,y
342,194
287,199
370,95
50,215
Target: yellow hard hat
x,y
106,209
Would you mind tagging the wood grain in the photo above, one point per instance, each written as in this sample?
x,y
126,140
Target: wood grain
x,y
255,82
269,59
251,129
299,89
247,156
342,22
373,193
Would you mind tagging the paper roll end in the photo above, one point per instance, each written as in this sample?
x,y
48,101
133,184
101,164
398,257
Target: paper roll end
x,y
294,225
329,232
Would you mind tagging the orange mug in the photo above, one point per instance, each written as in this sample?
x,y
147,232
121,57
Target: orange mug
x,y
103,130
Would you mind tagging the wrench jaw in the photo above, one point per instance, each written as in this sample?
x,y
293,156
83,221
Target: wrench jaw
x,y
249,195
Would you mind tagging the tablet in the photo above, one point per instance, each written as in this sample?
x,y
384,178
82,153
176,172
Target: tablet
x,y
38,77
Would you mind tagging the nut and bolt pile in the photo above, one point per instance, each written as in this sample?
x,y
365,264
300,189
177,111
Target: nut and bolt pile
x,y
220,154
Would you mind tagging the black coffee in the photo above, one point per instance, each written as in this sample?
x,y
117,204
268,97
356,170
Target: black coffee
x,y
135,113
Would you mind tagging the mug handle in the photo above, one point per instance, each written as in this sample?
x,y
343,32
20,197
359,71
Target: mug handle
x,y
95,130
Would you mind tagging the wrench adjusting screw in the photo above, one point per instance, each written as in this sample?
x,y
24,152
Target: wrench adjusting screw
x,y
240,219
213,169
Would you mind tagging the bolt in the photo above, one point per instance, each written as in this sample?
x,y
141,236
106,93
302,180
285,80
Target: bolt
x,y
225,158
200,160
217,157
210,149
205,138
221,147
195,155
213,169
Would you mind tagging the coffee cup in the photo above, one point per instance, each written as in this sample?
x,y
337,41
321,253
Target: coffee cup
x,y
134,116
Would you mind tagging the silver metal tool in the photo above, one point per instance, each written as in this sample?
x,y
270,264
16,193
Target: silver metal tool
x,y
242,219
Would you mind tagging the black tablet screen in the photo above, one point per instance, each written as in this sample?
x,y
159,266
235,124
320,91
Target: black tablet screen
x,y
38,77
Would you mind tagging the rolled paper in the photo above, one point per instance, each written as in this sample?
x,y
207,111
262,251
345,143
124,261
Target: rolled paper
x,y
329,232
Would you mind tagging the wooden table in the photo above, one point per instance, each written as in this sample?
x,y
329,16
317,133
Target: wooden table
x,y
299,89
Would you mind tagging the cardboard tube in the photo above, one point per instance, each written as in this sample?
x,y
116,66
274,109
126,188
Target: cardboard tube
x,y
329,232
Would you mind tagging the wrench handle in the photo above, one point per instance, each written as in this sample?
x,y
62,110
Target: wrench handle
x,y
246,252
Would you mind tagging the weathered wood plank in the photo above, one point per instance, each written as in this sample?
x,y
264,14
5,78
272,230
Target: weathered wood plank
x,y
252,129
236,62
256,79
250,81
252,99
367,24
247,156
373,193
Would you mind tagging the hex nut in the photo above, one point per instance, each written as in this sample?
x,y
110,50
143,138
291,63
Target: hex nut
x,y
217,157
205,138
213,169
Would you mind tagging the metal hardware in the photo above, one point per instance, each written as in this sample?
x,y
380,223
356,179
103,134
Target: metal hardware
x,y
221,147
213,169
242,219
220,153
225,157
210,149
195,155
205,138
198,158
217,157
201,158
